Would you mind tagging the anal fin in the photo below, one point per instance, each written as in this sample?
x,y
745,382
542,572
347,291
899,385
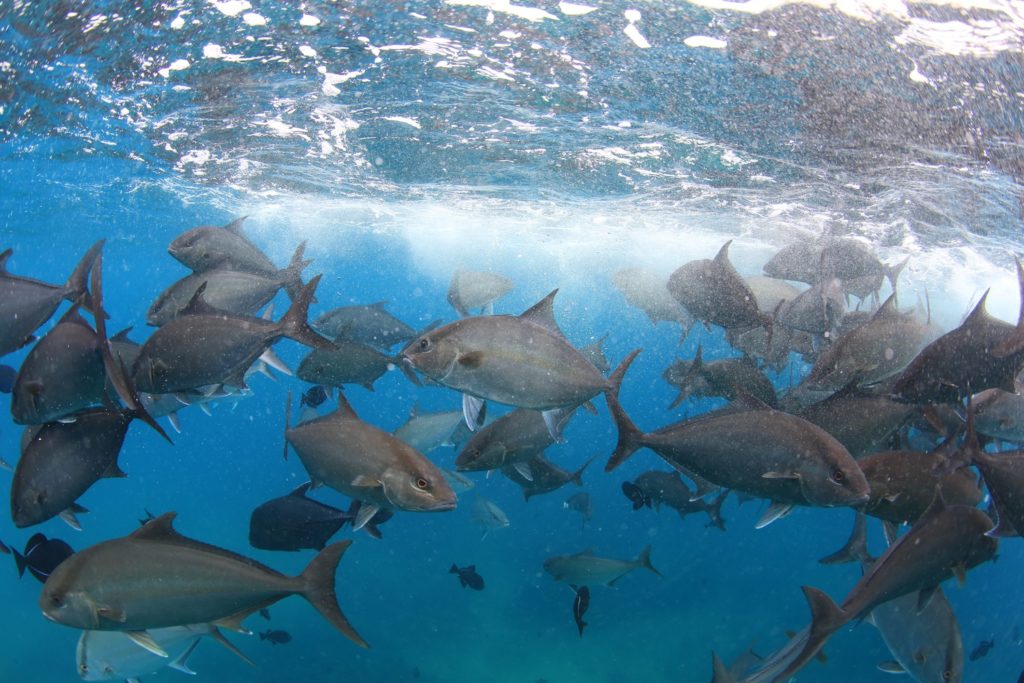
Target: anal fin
x,y
146,642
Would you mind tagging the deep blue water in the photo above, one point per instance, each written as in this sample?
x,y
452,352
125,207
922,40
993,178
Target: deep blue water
x,y
555,152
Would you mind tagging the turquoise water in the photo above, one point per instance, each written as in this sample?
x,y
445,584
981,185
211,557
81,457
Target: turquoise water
x,y
410,139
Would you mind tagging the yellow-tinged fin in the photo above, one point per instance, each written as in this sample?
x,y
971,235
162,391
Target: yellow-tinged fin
x,y
234,622
318,589
143,640
219,637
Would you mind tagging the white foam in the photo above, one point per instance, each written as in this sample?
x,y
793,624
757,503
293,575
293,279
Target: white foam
x,y
253,19
506,7
231,8
705,41
572,9
309,20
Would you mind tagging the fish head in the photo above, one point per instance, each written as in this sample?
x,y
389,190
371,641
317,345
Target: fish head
x,y
90,666
481,454
433,353
418,489
65,604
834,480
29,504
192,248
953,658
150,375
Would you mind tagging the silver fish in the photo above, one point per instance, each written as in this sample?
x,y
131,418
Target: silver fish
x,y
488,516
365,325
427,431
472,289
586,569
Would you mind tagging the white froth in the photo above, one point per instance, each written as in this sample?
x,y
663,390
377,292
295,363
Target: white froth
x,y
309,20
506,7
705,41
404,119
572,9
253,19
231,8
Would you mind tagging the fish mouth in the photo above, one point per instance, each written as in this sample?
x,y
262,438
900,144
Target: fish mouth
x,y
408,369
50,616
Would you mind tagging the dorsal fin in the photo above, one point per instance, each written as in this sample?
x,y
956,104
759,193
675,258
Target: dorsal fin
x,y
937,507
887,309
543,313
73,316
157,529
979,312
3,261
344,409
235,226
723,254
698,360
300,492
747,401
197,305
122,336
379,305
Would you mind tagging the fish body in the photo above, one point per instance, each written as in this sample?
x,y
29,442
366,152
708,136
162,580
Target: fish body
x,y
294,522
999,414
580,605
724,377
468,577
62,373
581,503
25,304
903,484
584,568
205,346
862,421
648,291
62,460
370,325
1004,477
488,516
368,464
155,578
522,361
770,292
982,649
925,643
111,655
42,556
427,431
714,293
546,476
472,289
276,637
658,488
207,247
818,310
515,437
346,362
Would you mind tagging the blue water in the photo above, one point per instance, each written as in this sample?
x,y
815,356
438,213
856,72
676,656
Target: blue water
x,y
404,140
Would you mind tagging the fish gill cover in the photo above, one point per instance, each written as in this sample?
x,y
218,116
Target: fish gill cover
x,y
555,144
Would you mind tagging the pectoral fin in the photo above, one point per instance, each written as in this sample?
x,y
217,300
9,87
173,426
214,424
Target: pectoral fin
x,y
523,468
366,513
180,662
143,640
363,480
775,511
474,411
780,475
891,667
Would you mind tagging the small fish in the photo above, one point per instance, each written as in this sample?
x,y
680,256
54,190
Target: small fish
x,y
581,503
982,649
584,567
636,495
276,637
468,577
7,375
488,516
315,396
42,555
265,613
579,606
149,516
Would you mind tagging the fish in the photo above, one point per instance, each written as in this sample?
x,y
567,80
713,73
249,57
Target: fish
x,y
545,476
25,304
488,516
345,362
276,637
233,291
473,289
315,396
585,568
427,431
881,348
511,440
770,292
764,452
294,522
648,291
925,644
714,293
113,655
42,555
863,421
370,524
581,503
636,495
981,649
655,488
265,613
204,346
468,577
155,578
523,361
724,377
945,541
1004,477
818,310
964,361
843,257
149,517
368,464
370,325
999,414
7,376
580,605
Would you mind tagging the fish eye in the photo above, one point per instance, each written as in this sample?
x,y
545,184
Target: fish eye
x,y
83,668
424,344
947,675
56,599
838,476
421,484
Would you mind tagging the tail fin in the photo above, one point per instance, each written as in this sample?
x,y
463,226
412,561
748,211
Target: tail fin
x,y
1015,341
21,561
292,275
826,619
630,436
294,324
856,549
77,284
714,511
644,560
318,588
893,273
719,674
577,476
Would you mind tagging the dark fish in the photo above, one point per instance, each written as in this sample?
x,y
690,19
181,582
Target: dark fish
x,y
581,503
546,476
149,517
818,310
265,613
205,346
965,360
42,556
25,304
982,649
276,637
370,325
667,488
315,396
580,604
514,438
294,522
346,362
156,578
725,377
636,495
925,643
468,577
861,420
1004,476
714,293
7,375
945,541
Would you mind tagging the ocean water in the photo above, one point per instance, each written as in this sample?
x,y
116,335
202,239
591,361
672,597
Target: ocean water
x,y
553,143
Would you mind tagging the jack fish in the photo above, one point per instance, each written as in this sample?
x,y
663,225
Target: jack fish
x,y
156,578
713,292
364,325
471,289
584,568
